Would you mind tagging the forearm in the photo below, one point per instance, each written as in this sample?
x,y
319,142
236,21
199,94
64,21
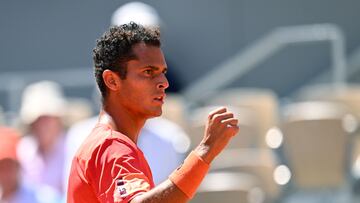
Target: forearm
x,y
182,183
165,192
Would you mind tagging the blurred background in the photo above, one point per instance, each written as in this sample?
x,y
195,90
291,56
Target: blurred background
x,y
288,69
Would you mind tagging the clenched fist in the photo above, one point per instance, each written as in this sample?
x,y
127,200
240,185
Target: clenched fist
x,y
220,128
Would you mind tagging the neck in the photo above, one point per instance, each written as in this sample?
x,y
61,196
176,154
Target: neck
x,y
122,120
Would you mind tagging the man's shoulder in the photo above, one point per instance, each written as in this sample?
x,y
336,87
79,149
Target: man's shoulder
x,y
103,139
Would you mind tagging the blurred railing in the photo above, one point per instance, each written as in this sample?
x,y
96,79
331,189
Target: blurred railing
x,y
353,68
267,46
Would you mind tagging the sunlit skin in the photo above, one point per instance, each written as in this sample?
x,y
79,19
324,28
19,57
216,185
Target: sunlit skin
x,y
131,101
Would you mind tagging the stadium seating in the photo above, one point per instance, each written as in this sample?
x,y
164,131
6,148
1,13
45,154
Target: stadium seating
x,y
263,103
316,147
228,187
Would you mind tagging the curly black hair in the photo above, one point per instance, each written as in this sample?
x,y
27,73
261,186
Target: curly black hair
x,y
114,48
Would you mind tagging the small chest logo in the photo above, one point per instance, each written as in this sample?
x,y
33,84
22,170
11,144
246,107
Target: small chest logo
x,y
120,185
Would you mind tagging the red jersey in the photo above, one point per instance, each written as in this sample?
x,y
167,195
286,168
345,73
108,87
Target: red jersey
x,y
108,167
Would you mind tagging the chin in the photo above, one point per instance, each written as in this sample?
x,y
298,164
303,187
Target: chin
x,y
156,113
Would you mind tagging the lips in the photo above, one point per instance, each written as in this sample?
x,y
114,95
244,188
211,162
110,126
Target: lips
x,y
160,98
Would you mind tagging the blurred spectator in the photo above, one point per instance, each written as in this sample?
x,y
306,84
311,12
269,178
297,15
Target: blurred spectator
x,y
165,145
12,189
41,151
77,109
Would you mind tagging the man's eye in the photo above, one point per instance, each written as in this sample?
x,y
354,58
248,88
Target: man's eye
x,y
165,71
148,72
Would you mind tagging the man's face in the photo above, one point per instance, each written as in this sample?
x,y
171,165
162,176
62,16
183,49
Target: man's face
x,y
47,130
143,90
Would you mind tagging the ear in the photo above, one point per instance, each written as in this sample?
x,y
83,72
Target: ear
x,y
111,80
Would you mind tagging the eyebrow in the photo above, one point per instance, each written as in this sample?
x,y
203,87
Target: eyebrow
x,y
156,68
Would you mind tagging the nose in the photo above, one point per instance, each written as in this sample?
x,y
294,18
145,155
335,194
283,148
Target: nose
x,y
163,83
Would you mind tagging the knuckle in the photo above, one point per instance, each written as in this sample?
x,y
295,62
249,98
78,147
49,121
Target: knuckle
x,y
217,117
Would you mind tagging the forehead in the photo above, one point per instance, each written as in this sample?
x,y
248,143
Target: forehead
x,y
148,55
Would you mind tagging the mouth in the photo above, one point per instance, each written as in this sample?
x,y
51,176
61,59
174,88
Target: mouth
x,y
160,98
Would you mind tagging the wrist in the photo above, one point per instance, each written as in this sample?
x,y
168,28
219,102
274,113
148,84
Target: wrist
x,y
204,152
190,174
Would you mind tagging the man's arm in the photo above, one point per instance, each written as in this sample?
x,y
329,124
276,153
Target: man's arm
x,y
221,126
165,192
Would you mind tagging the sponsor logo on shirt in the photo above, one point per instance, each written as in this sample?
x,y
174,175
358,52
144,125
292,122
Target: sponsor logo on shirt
x,y
129,185
120,186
